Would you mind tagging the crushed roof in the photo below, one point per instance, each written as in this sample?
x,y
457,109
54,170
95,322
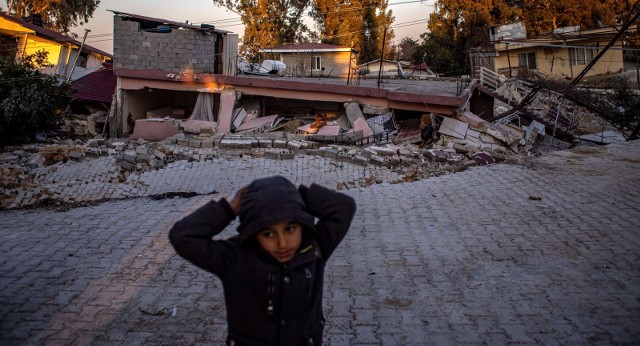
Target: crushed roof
x,y
208,28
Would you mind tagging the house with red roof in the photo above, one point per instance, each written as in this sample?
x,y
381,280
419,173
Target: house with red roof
x,y
314,59
25,36
96,87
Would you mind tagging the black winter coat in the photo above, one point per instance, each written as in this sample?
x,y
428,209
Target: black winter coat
x,y
268,303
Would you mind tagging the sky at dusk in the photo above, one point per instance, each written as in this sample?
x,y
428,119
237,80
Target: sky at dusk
x,y
411,17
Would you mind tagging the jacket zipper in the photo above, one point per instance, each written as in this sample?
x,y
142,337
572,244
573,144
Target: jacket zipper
x,y
270,290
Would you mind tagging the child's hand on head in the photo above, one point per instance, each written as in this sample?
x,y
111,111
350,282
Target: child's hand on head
x,y
235,201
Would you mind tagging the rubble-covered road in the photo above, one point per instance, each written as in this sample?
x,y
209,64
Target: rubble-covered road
x,y
545,251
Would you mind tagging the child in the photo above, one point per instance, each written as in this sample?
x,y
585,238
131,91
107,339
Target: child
x,y
272,271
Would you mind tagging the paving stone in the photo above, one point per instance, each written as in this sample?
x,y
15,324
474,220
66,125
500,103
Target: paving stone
x,y
454,259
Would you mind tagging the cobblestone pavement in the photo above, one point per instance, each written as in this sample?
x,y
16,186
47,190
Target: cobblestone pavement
x,y
97,179
461,258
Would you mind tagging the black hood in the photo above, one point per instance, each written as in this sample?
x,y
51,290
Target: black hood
x,y
271,200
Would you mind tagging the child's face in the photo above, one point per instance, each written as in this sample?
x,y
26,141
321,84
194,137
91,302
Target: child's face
x,y
281,240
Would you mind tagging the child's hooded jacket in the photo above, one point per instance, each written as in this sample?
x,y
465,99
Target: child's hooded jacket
x,y
269,303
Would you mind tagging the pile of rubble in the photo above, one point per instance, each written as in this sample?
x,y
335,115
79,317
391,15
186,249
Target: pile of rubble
x,y
18,173
23,168
472,136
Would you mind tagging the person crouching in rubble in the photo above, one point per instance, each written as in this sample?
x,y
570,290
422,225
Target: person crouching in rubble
x,y
426,129
272,271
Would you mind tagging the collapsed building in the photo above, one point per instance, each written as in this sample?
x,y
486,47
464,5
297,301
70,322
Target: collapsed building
x,y
178,96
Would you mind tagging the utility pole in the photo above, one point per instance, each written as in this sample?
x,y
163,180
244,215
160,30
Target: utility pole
x,y
86,32
384,39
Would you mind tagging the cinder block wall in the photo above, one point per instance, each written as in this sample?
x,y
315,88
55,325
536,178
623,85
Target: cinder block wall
x,y
178,50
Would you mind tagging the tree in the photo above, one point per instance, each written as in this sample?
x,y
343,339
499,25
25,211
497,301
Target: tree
x,y
359,24
628,106
269,23
466,23
56,15
438,52
546,15
28,99
406,48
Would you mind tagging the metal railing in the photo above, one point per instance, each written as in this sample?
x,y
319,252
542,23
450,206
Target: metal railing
x,y
491,79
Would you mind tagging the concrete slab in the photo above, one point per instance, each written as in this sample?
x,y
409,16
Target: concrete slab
x,y
357,120
154,129
225,114
454,128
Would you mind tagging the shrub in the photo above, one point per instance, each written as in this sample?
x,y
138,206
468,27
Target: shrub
x,y
29,99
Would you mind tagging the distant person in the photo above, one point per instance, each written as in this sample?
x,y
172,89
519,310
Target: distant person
x,y
273,270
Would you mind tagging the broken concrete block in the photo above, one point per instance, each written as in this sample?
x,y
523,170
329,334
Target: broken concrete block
x,y
93,153
199,126
159,154
437,155
343,157
279,143
357,120
472,133
195,143
143,158
360,160
265,143
377,160
487,139
384,151
455,157
473,120
499,134
330,153
141,150
294,145
153,130
469,163
129,155
483,159
234,143
460,148
239,116
170,140
271,155
225,114
343,122
76,155
454,128
207,143
128,166
287,155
